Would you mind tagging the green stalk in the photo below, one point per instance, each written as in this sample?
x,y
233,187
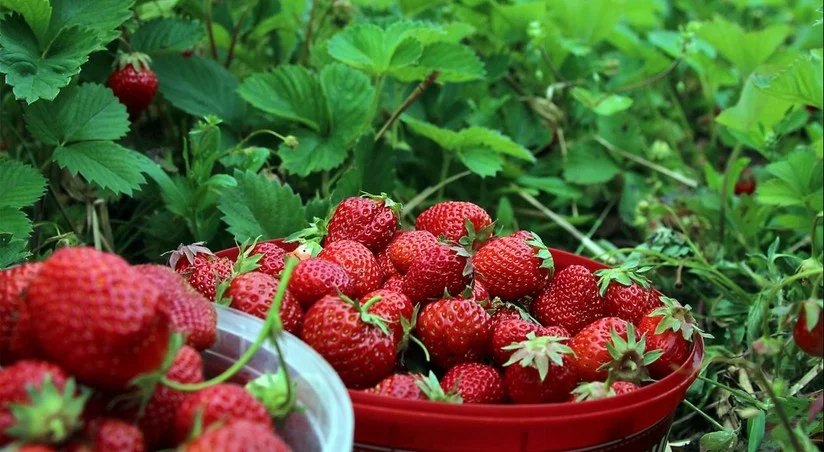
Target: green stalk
x,y
705,415
725,185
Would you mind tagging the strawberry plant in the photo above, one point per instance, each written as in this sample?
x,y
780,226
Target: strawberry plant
x,y
679,142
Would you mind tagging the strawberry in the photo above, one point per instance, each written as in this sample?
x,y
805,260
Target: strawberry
x,y
108,434
186,257
218,403
121,310
400,386
35,448
625,292
611,347
507,332
272,258
13,282
540,370
441,269
455,331
808,331
570,300
478,293
407,246
448,219
238,436
513,267
157,421
23,343
133,83
394,283
358,262
393,306
315,278
388,269
357,344
746,184
671,330
504,313
253,293
38,403
475,383
368,220
207,274
189,312
597,390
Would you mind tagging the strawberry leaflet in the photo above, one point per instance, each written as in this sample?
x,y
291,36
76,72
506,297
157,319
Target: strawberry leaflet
x,y
677,318
51,416
625,275
542,253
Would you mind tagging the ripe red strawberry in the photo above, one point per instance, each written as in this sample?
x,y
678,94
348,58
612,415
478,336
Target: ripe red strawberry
x,y
238,436
358,344
157,422
671,330
13,282
598,390
395,284
808,331
207,274
219,403
441,269
15,379
503,314
510,331
272,258
407,246
610,346
189,312
475,383
121,311
392,307
369,220
185,257
455,331
570,300
315,278
625,292
388,269
23,343
35,448
253,293
133,83
746,184
400,386
109,434
540,370
448,219
358,262
513,267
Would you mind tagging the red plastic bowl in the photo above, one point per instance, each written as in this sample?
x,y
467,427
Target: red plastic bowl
x,y
638,421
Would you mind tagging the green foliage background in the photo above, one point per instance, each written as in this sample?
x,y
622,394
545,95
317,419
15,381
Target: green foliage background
x,y
613,128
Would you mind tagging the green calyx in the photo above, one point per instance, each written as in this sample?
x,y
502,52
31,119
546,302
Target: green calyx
x,y
474,238
311,236
497,304
542,253
408,326
144,385
625,275
365,316
245,263
51,416
630,357
434,392
539,352
595,390
276,393
677,317
387,201
812,312
139,61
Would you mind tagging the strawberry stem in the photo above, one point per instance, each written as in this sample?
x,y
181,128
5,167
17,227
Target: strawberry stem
x,y
272,326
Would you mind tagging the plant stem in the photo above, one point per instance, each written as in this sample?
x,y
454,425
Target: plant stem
x,y
734,391
447,160
207,11
271,324
704,415
376,101
692,183
304,53
736,151
235,34
779,409
428,191
416,93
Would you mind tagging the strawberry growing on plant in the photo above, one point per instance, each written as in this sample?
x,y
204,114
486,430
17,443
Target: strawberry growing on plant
x,y
514,266
570,300
670,329
133,82
808,331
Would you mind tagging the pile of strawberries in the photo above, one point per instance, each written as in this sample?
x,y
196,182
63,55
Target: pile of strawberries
x,y
496,320
102,356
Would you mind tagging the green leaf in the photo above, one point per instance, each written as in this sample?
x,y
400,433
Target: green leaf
x,y
373,170
103,17
200,86
601,104
756,427
12,250
37,13
755,113
799,82
313,154
349,94
20,184
152,9
88,112
258,206
471,137
721,441
374,50
167,34
455,62
551,185
35,73
15,222
797,181
588,22
106,164
588,164
288,92
481,161
745,49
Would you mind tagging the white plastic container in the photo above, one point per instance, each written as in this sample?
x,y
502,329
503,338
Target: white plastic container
x,y
326,423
